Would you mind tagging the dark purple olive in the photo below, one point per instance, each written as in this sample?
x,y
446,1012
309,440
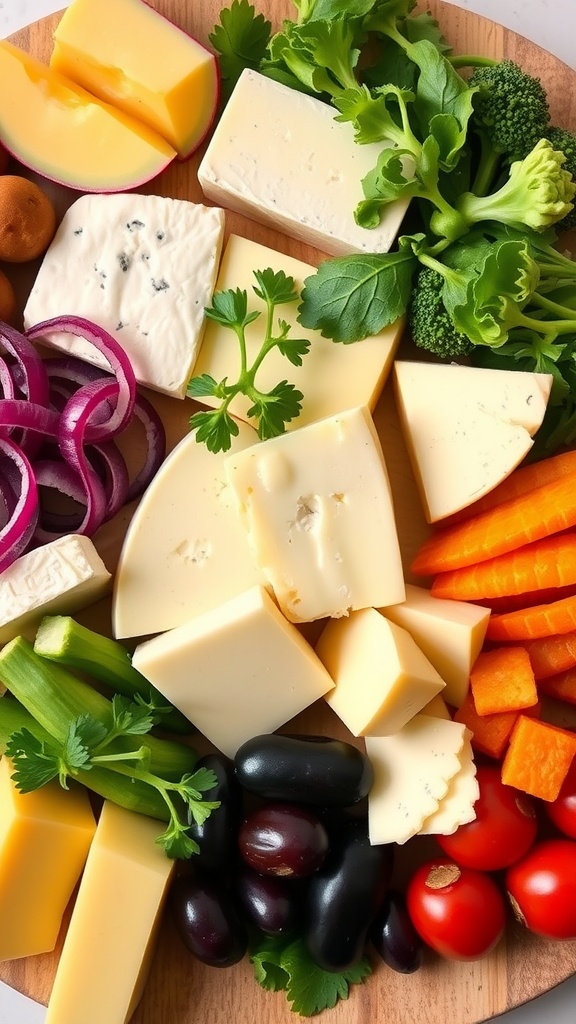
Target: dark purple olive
x,y
312,770
343,898
208,921
283,839
216,837
272,904
394,937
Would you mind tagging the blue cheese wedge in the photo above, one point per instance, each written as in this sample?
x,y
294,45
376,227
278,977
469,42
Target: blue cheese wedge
x,y
59,578
142,267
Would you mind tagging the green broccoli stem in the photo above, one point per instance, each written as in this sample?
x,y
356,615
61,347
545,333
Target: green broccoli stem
x,y
565,314
471,60
61,639
549,329
489,164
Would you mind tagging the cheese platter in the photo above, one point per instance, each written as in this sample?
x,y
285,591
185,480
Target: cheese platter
x,y
178,990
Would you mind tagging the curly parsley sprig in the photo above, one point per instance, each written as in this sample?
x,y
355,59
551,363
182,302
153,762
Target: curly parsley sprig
x,y
273,409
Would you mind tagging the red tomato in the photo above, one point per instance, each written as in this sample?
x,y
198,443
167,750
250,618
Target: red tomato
x,y
542,889
458,912
562,810
503,830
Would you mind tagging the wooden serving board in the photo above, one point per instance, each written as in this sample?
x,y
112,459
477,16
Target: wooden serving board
x,y
180,990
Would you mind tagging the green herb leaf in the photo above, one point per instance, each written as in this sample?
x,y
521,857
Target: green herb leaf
x,y
352,297
240,39
215,429
275,409
35,763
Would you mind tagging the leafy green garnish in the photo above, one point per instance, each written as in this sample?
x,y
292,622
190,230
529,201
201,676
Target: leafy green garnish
x,y
240,40
273,409
284,964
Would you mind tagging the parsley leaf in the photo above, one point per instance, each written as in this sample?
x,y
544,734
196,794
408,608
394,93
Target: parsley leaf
x,y
284,964
240,40
271,410
35,762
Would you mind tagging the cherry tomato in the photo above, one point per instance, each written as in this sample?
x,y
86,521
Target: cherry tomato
x,y
562,810
503,830
460,913
542,889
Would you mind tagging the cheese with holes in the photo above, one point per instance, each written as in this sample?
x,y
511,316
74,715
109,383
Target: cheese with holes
x,y
145,65
58,578
44,841
183,555
457,807
61,131
331,377
318,510
466,427
281,158
111,936
450,633
237,671
381,677
141,266
413,769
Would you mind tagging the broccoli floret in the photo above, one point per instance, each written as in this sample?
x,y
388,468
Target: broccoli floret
x,y
565,142
511,106
431,325
539,192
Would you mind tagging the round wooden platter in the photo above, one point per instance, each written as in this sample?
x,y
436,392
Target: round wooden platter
x,y
180,990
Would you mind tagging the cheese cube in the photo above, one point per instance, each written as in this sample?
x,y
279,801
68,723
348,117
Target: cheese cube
x,y
466,427
44,841
331,377
110,940
382,678
299,170
174,566
318,510
60,577
412,772
457,807
236,671
141,266
450,633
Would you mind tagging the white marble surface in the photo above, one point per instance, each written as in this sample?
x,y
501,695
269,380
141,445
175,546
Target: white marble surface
x,y
552,24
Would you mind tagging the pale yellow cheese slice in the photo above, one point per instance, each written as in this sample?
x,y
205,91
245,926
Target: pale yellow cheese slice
x,y
457,807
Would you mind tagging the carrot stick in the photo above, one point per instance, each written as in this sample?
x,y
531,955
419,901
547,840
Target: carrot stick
x,y
544,564
508,526
522,481
551,654
538,621
512,602
562,686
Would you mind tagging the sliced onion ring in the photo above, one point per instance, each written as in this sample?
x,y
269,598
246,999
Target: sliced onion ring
x,y
17,533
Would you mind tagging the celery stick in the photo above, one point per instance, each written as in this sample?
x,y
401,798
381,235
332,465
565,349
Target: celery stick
x,y
136,796
61,639
56,698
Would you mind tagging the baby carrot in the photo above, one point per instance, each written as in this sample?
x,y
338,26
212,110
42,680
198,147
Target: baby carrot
x,y
551,654
538,621
507,526
544,564
522,481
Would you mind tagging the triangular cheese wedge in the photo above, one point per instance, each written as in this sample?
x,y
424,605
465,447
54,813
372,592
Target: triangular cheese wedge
x,y
466,428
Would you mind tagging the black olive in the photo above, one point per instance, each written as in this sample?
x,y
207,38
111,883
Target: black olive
x,y
208,920
304,769
216,837
394,937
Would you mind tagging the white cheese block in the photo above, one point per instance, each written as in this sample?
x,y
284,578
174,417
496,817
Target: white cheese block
x,y
237,671
437,708
281,158
185,551
450,633
318,510
466,428
332,377
412,772
457,807
58,578
143,267
382,678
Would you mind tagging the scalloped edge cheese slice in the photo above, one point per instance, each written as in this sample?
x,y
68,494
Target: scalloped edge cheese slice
x,y
413,769
457,807
466,427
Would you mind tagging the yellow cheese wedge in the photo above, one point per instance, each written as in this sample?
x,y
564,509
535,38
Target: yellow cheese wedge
x,y
58,129
44,841
110,940
128,54
382,677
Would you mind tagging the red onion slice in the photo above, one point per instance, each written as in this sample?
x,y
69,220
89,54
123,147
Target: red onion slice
x,y
155,446
17,533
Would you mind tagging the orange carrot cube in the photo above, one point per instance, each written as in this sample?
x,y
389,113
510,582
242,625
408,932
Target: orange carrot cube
x,y
502,680
538,758
490,732
562,686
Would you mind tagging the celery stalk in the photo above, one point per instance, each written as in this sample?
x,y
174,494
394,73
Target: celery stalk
x,y
63,640
56,698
